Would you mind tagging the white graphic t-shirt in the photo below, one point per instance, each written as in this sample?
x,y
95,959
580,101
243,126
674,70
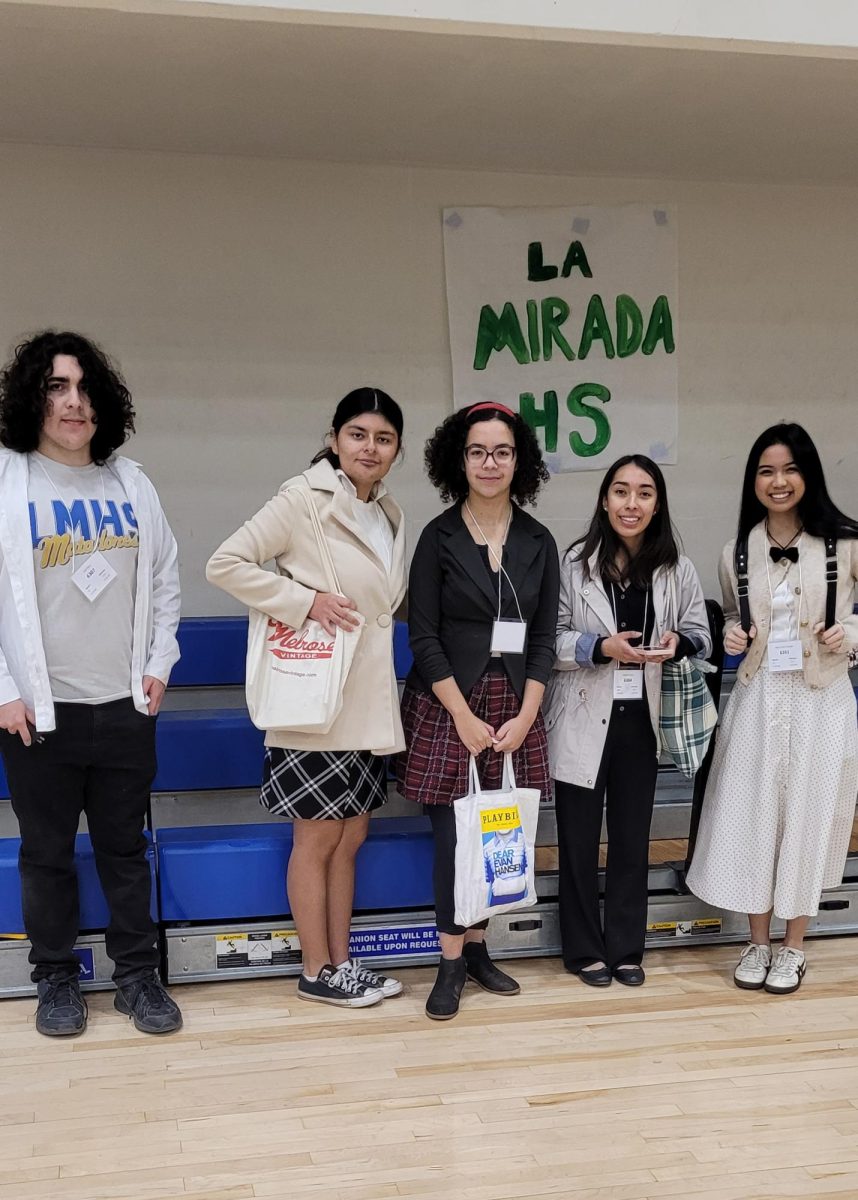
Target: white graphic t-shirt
x,y
75,511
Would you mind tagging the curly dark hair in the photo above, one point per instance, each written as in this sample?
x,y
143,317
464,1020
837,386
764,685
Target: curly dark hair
x,y
23,393
445,454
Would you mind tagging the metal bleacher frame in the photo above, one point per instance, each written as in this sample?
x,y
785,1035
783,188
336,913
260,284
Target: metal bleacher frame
x,y
219,859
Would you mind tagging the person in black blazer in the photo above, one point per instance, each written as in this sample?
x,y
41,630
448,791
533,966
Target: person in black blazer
x,y
483,597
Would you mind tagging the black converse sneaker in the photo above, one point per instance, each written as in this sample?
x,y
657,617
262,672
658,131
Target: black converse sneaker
x,y
338,987
371,979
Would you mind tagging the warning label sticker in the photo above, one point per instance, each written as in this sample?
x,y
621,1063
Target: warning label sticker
x,y
231,950
663,930
285,948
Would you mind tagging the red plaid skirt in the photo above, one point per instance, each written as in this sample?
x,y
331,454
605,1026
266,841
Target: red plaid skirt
x,y
434,768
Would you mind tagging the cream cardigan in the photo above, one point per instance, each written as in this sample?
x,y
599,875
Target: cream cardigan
x,y
821,666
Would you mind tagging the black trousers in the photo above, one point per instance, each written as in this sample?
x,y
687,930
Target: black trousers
x,y
100,760
443,820
626,778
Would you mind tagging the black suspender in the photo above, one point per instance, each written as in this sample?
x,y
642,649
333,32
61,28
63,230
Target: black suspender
x,y
740,563
830,581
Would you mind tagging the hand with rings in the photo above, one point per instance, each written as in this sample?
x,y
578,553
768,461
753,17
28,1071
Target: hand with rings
x,y
334,612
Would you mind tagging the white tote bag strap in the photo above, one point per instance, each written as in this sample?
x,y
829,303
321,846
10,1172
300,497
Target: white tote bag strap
x,y
324,549
474,788
507,781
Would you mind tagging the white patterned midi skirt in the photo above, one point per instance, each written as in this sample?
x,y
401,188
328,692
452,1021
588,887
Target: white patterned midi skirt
x,y
780,801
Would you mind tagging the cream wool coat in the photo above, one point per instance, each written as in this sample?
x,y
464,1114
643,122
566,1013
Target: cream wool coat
x,y
820,665
580,696
282,531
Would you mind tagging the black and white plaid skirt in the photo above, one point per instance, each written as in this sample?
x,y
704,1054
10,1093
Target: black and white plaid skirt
x,y
322,785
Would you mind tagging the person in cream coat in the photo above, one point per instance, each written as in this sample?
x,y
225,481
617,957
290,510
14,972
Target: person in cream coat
x,y
328,784
628,602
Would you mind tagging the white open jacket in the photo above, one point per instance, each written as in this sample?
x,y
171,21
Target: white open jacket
x,y
580,696
154,651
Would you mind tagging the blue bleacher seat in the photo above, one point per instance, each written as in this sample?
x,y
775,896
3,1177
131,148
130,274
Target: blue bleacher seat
x,y
93,907
237,872
213,652
203,749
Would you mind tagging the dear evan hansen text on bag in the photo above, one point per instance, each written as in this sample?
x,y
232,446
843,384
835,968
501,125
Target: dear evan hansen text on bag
x,y
504,854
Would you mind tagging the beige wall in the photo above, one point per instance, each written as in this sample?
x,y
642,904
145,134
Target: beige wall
x,y
243,297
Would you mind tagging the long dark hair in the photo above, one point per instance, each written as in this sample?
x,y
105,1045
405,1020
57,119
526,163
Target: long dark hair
x,y
818,513
362,400
445,454
23,393
659,547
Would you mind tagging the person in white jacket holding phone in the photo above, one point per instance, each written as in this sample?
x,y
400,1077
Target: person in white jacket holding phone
x,y
617,624
89,606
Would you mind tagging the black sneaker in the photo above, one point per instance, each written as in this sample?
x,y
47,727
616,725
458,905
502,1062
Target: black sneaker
x,y
149,1005
339,987
62,1009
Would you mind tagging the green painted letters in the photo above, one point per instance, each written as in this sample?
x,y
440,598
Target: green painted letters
x,y
541,418
554,313
575,257
495,332
629,326
537,272
596,326
575,404
660,328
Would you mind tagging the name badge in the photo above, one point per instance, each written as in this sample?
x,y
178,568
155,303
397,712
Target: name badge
x,y
94,576
508,637
784,656
628,685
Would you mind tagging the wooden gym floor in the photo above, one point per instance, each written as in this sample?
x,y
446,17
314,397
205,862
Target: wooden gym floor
x,y
686,1087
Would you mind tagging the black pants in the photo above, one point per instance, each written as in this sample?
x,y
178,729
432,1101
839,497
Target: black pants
x,y
443,819
627,774
100,760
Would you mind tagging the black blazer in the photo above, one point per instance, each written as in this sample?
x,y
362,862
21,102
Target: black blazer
x,y
453,602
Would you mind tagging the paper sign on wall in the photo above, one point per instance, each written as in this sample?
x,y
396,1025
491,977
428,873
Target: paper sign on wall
x,y
568,316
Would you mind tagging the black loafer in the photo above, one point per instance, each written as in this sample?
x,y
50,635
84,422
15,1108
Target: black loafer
x,y
630,976
595,976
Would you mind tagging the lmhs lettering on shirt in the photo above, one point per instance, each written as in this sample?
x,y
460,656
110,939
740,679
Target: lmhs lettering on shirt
x,y
78,524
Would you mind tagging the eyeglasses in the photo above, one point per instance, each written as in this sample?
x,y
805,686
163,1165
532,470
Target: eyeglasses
x,y
501,455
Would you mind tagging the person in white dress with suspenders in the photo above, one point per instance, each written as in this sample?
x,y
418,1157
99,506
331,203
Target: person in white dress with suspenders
x,y
780,801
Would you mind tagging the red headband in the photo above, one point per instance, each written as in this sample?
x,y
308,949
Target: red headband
x,y
489,404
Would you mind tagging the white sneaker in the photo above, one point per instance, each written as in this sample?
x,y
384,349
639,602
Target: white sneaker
x,y
371,979
786,971
753,967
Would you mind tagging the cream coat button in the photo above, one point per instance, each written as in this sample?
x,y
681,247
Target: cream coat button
x,y
383,620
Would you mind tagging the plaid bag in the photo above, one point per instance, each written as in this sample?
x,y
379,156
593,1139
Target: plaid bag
x,y
688,714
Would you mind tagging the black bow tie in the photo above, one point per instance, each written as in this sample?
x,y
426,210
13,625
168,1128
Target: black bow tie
x,y
776,553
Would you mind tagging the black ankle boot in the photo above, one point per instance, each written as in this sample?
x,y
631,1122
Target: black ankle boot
x,y
484,972
443,1002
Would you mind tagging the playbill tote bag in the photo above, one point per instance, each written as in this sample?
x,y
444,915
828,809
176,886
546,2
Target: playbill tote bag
x,y
295,677
495,838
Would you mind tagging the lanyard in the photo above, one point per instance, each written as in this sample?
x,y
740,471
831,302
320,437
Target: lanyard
x,y
501,568
68,511
630,666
